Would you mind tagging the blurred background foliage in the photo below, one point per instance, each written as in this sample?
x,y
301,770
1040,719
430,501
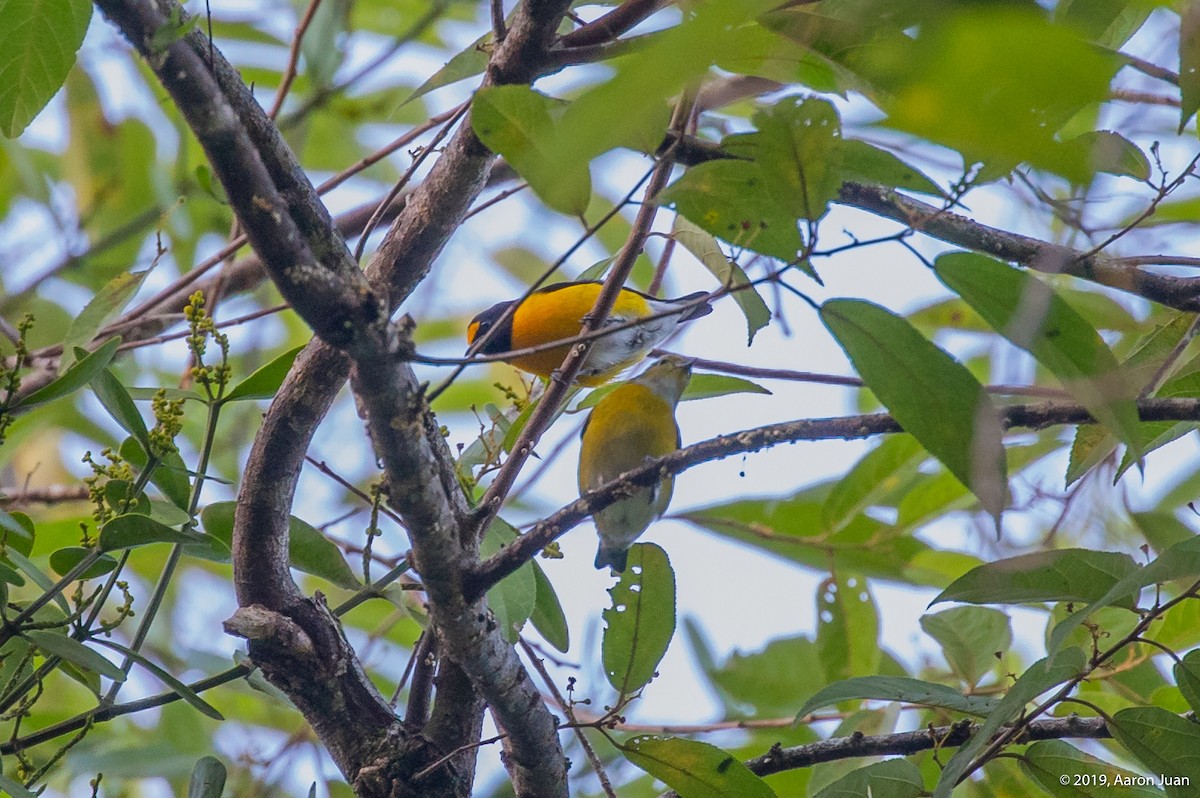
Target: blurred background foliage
x,y
1068,121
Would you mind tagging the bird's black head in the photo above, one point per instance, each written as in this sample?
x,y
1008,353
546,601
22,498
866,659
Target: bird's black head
x,y
501,340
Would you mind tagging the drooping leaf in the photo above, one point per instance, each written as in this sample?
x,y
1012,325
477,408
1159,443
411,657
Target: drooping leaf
x,y
933,397
174,685
697,241
861,162
38,42
1032,316
119,404
695,769
513,599
641,621
847,627
548,617
1187,678
17,531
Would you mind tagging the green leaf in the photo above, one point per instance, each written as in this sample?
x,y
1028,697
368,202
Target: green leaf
x,y
1178,562
264,382
63,560
513,599
897,688
971,638
694,769
772,682
174,685
895,778
1038,678
208,778
1057,337
641,621
707,386
548,617
17,531
1106,151
706,249
308,550
935,85
1060,575
171,475
119,404
790,528
74,378
861,162
847,627
795,147
517,122
469,62
133,529
1047,762
658,68
74,652
1165,743
727,198
38,42
1187,678
109,301
1189,63
40,579
933,397
14,788
880,471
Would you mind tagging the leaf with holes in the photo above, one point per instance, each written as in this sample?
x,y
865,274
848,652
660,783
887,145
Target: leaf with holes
x,y
641,620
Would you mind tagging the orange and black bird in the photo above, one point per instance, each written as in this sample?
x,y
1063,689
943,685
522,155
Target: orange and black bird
x,y
556,313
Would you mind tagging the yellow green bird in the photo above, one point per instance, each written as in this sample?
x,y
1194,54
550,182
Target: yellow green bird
x,y
633,423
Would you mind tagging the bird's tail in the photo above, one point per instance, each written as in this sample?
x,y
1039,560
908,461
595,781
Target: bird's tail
x,y
615,558
696,311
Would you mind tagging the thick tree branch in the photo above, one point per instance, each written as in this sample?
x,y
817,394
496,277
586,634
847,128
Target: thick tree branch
x,y
304,255
611,25
408,440
1029,416
1182,293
